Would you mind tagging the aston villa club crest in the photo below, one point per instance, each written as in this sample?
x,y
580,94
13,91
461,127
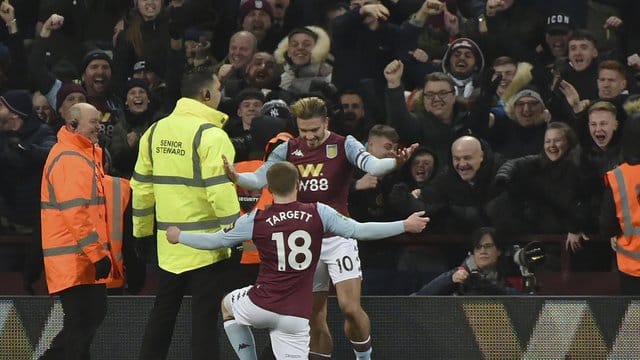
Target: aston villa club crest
x,y
332,151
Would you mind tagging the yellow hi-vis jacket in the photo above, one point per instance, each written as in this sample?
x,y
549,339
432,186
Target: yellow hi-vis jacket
x,y
179,178
73,212
624,181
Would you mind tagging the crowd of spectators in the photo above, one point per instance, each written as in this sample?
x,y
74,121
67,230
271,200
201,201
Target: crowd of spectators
x,y
518,105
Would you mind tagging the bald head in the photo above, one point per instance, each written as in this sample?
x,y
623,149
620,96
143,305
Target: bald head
x,y
467,156
84,119
242,46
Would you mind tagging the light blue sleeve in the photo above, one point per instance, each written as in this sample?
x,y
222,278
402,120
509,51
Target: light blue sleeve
x,y
358,156
258,179
242,230
53,92
338,224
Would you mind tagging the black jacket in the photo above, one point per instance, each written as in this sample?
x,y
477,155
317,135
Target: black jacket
x,y
22,157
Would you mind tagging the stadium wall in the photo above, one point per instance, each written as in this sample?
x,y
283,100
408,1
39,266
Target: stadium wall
x,y
532,327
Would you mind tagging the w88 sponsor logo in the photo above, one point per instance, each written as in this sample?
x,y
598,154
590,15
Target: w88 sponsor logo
x,y
315,184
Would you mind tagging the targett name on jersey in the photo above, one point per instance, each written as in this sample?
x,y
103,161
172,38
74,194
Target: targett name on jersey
x,y
285,215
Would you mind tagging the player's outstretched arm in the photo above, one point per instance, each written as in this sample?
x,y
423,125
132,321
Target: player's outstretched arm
x,y
339,224
173,234
231,172
240,231
403,155
416,222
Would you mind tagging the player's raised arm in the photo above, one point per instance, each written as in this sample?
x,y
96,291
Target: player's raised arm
x,y
339,224
358,156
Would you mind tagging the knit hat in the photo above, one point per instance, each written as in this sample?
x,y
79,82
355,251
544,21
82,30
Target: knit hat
x,y
66,90
464,44
95,55
276,108
527,92
249,5
141,83
18,102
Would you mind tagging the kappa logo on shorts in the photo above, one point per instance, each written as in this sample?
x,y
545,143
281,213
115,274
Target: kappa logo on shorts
x,y
243,346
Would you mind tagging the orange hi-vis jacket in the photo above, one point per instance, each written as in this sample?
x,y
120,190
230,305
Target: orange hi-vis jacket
x,y
249,250
117,193
73,213
625,186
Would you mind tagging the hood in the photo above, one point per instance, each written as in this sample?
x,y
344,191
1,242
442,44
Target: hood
x,y
468,43
319,54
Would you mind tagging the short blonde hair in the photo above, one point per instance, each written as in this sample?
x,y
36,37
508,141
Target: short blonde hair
x,y
603,106
309,107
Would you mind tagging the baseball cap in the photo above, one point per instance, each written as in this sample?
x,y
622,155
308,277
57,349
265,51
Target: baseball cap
x,y
18,102
143,65
558,23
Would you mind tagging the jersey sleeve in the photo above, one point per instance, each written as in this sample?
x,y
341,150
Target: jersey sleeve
x,y
258,179
238,232
358,156
338,224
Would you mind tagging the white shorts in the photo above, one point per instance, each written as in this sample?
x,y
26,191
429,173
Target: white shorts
x,y
289,334
339,261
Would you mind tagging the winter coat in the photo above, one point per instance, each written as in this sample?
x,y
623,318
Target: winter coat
x,y
22,157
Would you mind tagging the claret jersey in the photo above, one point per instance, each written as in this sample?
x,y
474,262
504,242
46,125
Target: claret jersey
x,y
289,239
325,172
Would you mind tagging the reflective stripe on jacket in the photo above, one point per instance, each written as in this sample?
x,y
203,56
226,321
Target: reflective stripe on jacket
x,y
625,186
179,180
117,193
74,228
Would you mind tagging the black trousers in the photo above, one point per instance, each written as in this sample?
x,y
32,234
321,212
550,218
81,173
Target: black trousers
x,y
206,287
85,307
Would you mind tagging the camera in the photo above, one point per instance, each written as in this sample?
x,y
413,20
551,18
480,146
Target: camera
x,y
527,258
530,255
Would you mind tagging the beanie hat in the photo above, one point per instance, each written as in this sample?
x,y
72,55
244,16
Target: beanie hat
x,y
464,43
95,55
276,108
66,90
527,92
18,102
249,5
141,83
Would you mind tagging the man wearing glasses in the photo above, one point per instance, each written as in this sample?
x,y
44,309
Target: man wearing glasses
x,y
436,119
